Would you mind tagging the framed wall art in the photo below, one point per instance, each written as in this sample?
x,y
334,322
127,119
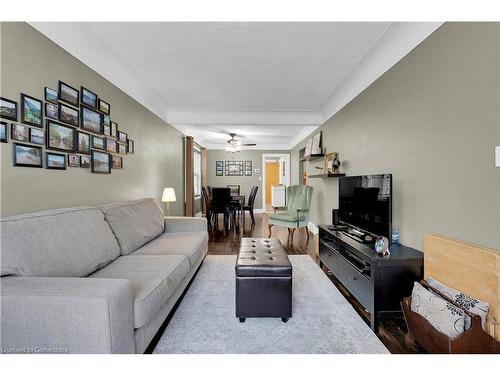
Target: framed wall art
x,y
83,143
219,168
20,132
68,115
8,109
51,111
233,168
122,137
50,95
60,137
111,145
248,168
130,146
69,94
100,162
37,136
114,129
88,97
117,162
3,132
104,107
98,143
90,120
31,111
73,160
84,161
55,161
27,156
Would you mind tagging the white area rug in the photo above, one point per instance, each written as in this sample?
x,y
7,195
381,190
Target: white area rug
x,y
323,321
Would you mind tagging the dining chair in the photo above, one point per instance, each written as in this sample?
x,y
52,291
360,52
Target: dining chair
x,y
208,211
296,214
235,189
251,203
221,204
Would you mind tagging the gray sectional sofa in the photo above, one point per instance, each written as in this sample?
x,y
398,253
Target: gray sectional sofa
x,y
94,279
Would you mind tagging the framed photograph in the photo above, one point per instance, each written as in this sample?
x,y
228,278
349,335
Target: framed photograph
x,y
8,109
111,145
98,143
51,111
60,137
27,156
50,95
68,115
31,111
234,168
248,168
55,161
122,137
90,120
20,132
130,146
328,163
104,107
37,136
219,168
106,130
307,151
69,94
106,120
122,149
83,146
3,132
84,161
73,160
117,162
316,144
114,129
100,162
88,97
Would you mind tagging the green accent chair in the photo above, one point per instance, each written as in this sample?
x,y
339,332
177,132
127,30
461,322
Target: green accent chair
x,y
296,213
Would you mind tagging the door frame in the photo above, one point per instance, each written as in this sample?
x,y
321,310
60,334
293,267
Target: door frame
x,y
263,173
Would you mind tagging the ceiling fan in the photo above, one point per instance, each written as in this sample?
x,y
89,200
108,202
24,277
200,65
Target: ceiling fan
x,y
233,145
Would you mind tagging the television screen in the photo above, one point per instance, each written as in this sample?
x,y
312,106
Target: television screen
x,y
365,202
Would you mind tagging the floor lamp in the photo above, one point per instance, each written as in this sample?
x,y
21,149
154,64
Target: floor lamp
x,y
168,196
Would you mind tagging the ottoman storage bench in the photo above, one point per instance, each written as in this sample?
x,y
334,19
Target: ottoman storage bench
x,y
263,280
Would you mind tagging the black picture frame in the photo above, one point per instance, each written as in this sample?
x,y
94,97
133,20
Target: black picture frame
x,y
88,97
71,161
93,125
122,137
233,168
83,148
248,168
51,127
130,146
119,160
15,156
104,107
14,134
122,149
37,136
106,119
219,168
39,108
68,94
6,112
111,145
51,111
64,115
98,161
106,130
51,95
4,128
55,154
84,161
114,130
98,146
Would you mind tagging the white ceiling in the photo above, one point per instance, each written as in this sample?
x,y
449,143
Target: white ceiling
x,y
271,83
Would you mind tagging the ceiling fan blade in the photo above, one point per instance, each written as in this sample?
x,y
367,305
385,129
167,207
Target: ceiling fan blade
x,y
249,144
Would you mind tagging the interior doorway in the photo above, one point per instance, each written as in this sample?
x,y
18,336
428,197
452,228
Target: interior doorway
x,y
276,171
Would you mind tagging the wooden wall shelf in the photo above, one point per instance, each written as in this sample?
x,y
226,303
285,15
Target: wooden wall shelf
x,y
326,175
312,157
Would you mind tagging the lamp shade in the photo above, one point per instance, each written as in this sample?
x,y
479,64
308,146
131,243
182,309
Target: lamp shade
x,y
168,195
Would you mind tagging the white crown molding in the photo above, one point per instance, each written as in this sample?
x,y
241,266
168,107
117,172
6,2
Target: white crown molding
x,y
395,43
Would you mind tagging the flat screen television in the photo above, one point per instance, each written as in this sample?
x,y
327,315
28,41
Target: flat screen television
x,y
365,203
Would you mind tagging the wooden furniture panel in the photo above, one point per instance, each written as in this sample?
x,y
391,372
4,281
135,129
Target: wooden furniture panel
x,y
470,268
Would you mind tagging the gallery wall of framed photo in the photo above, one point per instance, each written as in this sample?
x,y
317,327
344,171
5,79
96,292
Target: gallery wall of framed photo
x,y
68,127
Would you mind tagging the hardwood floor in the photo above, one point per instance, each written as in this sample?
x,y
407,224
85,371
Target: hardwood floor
x,y
391,331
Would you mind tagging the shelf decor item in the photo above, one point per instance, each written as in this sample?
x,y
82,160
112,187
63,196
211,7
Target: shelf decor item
x,y
308,150
328,166
8,109
316,144
31,111
382,246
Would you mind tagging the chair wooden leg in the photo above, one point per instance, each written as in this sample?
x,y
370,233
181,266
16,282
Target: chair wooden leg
x,y
291,235
307,232
269,227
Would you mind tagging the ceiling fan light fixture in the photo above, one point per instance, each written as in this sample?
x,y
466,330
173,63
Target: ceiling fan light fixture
x,y
233,145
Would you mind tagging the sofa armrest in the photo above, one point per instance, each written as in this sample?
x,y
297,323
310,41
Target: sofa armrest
x,y
66,315
185,224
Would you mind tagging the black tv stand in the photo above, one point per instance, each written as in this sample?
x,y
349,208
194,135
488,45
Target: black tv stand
x,y
355,234
378,283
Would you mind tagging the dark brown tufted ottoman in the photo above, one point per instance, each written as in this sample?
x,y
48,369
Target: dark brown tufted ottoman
x,y
263,280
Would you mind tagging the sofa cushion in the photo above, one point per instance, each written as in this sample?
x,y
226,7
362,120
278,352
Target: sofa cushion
x,y
153,279
134,223
190,244
70,242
